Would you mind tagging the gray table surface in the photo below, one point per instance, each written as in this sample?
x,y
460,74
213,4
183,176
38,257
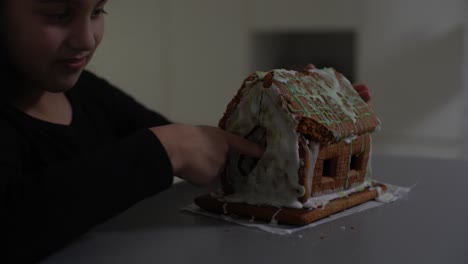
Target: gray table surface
x,y
429,225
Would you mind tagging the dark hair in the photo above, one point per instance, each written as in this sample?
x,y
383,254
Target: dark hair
x,y
8,76
3,51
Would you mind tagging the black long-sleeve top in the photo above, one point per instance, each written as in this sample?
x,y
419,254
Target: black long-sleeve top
x,y
57,181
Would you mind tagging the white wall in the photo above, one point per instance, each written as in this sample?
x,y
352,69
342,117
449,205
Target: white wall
x,y
182,58
188,58
465,83
131,54
206,47
303,15
411,55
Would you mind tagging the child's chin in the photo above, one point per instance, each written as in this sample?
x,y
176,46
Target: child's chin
x,y
71,80
62,85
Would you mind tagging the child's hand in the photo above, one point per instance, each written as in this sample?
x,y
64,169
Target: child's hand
x,y
362,89
198,153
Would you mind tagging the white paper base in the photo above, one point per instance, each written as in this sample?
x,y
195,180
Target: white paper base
x,y
395,191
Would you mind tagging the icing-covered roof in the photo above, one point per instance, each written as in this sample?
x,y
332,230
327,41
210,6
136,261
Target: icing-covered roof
x,y
322,101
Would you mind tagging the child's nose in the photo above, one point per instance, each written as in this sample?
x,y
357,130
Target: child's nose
x,y
82,36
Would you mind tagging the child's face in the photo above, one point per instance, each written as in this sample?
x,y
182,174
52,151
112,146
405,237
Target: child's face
x,y
51,41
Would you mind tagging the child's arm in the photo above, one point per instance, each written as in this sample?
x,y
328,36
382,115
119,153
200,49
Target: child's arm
x,y
45,206
198,153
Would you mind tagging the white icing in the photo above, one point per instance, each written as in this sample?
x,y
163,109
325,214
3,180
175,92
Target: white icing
x,y
313,148
350,139
280,79
369,161
385,197
334,91
322,201
273,218
261,74
277,171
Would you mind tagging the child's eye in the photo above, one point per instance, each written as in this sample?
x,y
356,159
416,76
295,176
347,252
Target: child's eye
x,y
59,16
99,11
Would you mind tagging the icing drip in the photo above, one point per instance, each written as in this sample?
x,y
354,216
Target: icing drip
x,y
350,139
369,165
273,218
314,148
385,197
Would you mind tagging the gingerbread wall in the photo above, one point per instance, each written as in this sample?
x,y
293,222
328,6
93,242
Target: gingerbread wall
x,y
334,161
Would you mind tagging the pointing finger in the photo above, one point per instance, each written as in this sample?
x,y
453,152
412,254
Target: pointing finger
x,y
244,146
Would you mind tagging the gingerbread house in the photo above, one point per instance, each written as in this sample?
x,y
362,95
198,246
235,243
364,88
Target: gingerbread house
x,y
316,132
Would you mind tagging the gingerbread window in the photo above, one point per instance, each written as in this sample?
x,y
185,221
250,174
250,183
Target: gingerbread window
x,y
330,168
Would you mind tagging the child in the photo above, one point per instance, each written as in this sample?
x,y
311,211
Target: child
x,y
72,158
74,150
